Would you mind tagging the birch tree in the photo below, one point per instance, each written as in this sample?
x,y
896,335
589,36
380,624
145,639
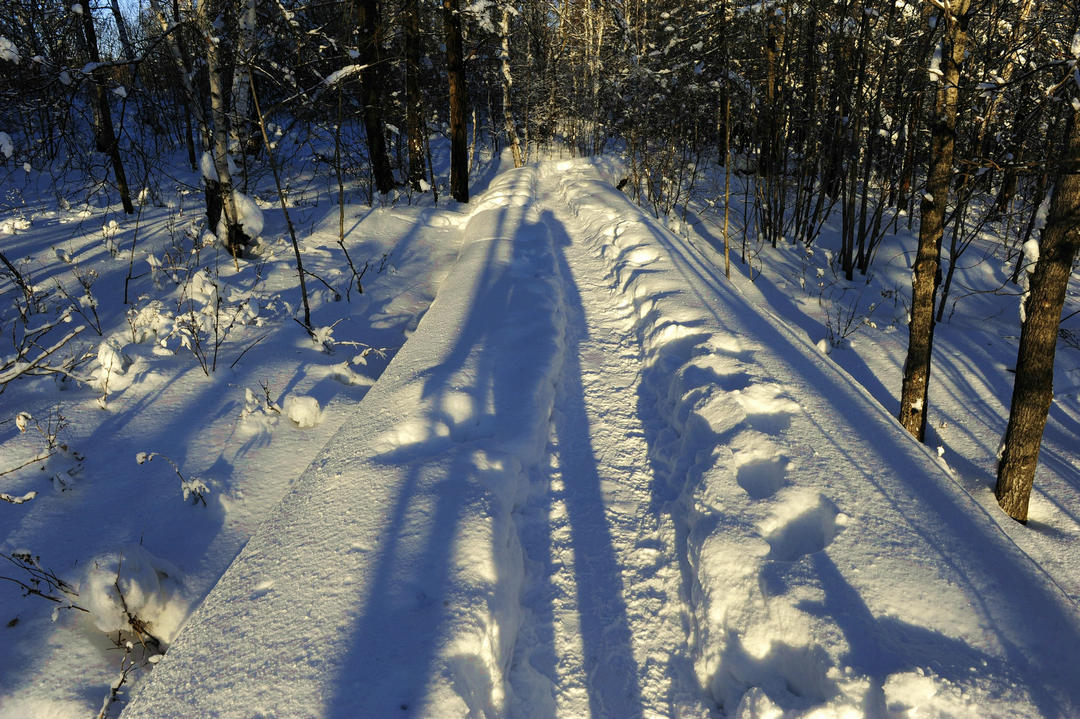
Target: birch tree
x,y
507,84
229,229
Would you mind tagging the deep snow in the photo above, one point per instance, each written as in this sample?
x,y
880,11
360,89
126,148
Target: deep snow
x,y
598,479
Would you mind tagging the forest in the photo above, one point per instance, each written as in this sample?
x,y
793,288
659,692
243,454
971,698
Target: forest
x,y
839,129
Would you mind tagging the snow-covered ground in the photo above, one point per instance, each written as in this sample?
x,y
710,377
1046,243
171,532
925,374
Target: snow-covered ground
x,y
598,479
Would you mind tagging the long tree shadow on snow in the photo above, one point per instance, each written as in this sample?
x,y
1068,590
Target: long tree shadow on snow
x,y
407,635
401,625
609,660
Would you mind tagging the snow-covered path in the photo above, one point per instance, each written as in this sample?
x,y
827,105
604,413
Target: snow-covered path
x,y
598,481
604,625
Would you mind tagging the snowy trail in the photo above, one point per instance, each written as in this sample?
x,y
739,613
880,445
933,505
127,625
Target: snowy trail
x,y
599,481
604,632
796,502
387,582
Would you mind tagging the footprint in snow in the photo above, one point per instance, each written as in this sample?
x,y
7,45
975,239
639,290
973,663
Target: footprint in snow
x,y
803,523
762,477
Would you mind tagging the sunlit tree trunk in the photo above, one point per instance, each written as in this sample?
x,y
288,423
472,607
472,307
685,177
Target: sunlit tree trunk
x,y
231,232
1033,388
926,274
507,83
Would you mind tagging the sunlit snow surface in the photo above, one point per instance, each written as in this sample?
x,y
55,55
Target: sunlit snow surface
x,y
598,479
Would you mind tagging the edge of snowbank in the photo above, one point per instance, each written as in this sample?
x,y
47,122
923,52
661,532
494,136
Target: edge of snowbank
x,y
388,578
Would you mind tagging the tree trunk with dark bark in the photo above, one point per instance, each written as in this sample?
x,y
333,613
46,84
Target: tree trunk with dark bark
x,y
1033,388
414,120
455,70
368,21
926,274
104,133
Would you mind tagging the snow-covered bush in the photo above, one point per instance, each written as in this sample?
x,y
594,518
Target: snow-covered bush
x,y
192,488
135,594
61,463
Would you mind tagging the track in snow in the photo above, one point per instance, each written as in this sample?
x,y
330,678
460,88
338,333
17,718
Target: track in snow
x,y
597,481
605,626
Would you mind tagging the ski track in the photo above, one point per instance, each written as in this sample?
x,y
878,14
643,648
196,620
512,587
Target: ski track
x,y
603,577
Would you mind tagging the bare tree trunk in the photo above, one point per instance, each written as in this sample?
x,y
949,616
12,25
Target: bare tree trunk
x,y
926,275
105,134
122,33
240,129
455,68
1033,389
414,120
507,83
193,104
232,233
374,127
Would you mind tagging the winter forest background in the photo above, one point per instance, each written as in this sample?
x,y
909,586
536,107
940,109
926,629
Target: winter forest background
x,y
192,191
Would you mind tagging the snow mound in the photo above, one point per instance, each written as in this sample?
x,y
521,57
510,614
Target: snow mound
x,y
248,214
135,593
302,410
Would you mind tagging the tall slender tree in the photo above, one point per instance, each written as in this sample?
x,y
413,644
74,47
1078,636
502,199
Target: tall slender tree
x,y
368,22
231,229
414,103
459,101
507,85
105,134
926,274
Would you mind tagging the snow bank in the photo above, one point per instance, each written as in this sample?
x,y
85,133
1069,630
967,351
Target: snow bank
x,y
833,568
387,582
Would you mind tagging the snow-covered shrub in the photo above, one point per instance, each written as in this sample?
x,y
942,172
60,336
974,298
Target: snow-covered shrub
x,y
133,593
61,463
111,357
112,368
109,231
150,323
7,147
192,488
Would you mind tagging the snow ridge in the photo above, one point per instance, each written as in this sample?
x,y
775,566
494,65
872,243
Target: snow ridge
x,y
387,583
794,527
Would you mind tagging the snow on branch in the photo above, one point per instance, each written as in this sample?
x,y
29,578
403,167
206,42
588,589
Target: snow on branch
x,y
344,73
